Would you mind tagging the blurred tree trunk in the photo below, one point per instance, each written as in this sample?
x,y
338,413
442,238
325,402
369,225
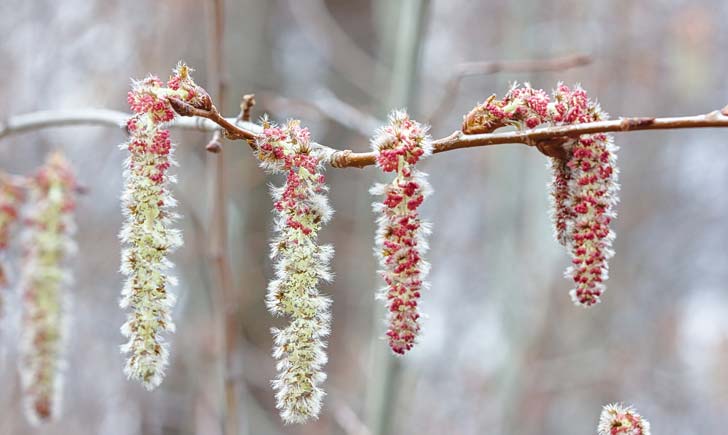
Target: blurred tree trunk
x,y
401,43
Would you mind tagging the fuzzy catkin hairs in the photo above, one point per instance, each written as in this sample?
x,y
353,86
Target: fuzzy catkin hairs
x,y
618,419
147,233
401,234
584,189
301,208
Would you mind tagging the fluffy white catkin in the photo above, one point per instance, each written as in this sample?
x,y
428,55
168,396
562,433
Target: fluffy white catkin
x,y
147,233
301,208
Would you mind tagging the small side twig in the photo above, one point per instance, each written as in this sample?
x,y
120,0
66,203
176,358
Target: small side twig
x,y
231,132
245,107
214,146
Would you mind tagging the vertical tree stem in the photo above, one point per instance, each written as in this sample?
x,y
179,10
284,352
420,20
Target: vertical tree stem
x,y
406,42
219,257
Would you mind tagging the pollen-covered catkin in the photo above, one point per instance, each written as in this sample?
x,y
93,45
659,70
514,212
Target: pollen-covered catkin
x,y
147,234
301,208
401,234
44,285
618,419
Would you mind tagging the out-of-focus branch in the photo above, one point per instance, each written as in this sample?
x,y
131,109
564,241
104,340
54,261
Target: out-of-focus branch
x,y
61,118
467,69
333,43
225,293
330,106
32,121
348,420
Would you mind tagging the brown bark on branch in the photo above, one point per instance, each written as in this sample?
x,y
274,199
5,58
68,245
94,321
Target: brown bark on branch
x,y
545,139
209,120
536,137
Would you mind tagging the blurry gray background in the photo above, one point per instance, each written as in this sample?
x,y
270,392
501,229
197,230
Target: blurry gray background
x,y
503,351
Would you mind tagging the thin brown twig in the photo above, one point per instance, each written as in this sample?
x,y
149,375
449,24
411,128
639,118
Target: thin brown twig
x,y
231,130
467,69
532,137
210,120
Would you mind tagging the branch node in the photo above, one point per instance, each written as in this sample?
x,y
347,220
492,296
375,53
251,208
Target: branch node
x,y
553,147
245,106
214,146
182,108
339,159
632,123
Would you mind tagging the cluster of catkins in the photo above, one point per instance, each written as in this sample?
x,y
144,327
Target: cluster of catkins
x,y
584,188
147,232
401,234
301,207
44,283
618,419
584,193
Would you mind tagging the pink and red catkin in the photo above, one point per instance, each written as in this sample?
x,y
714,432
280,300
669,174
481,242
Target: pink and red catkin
x,y
401,234
588,208
619,419
584,187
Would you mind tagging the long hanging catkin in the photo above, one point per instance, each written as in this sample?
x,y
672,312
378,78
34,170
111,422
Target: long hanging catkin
x,y
147,233
584,189
301,208
401,234
44,285
590,173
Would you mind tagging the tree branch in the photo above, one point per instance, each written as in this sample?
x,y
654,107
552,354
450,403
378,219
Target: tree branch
x,y
219,258
534,137
96,117
326,104
209,120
